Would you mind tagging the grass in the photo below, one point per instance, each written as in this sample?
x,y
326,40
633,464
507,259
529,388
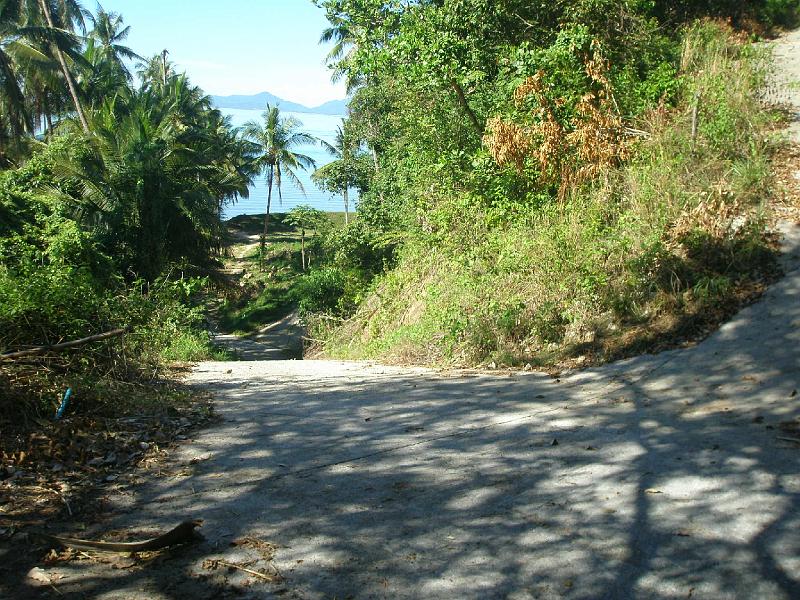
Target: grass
x,y
266,293
652,254
193,346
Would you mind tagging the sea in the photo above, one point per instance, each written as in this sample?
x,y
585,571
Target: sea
x,y
320,126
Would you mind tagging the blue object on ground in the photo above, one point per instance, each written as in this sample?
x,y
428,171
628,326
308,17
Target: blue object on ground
x,y
64,404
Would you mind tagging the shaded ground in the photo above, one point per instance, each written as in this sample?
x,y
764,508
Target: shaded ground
x,y
281,340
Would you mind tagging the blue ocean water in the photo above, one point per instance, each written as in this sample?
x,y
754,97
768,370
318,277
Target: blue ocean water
x,y
321,126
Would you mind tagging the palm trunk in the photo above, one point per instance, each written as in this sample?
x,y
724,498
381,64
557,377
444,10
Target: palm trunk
x,y
346,203
377,168
375,158
48,118
164,65
266,216
303,248
65,70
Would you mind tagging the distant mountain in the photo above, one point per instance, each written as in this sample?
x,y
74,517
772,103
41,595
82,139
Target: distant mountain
x,y
334,107
259,102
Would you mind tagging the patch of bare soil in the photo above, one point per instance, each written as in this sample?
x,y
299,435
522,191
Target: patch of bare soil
x,y
787,183
57,472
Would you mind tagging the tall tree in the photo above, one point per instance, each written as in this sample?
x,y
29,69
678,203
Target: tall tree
x,y
14,116
347,171
154,175
306,217
156,71
276,139
66,10
342,34
108,31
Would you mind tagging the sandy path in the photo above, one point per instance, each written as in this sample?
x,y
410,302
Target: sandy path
x,y
786,78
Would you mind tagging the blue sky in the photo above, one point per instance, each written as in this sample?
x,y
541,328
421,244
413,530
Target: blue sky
x,y
236,46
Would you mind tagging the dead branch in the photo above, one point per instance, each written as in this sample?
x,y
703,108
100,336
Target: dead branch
x,y
264,576
64,345
789,439
695,115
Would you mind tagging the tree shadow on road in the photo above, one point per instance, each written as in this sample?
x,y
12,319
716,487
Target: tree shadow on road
x,y
659,477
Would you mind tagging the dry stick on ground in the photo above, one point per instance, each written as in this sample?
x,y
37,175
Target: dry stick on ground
x,y
695,114
64,345
230,565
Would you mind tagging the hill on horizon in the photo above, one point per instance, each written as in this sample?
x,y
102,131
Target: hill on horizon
x,y
259,101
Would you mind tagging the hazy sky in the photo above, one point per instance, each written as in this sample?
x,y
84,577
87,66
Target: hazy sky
x,y
236,46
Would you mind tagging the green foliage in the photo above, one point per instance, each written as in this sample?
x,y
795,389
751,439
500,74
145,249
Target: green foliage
x,y
361,246
780,13
322,291
152,179
42,299
306,217
494,266
268,291
770,12
338,175
95,225
273,142
322,285
174,321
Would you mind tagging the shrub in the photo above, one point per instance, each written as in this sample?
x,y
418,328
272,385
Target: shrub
x,y
322,291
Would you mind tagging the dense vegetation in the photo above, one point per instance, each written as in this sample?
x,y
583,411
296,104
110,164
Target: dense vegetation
x,y
110,204
567,180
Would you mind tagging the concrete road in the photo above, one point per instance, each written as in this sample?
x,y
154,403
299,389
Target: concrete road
x,y
667,476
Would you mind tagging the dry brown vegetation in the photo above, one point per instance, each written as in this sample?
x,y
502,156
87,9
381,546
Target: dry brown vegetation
x,y
568,154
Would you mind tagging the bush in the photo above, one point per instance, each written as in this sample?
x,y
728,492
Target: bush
x,y
329,290
780,13
57,284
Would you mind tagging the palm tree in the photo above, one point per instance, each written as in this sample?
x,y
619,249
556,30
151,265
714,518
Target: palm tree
x,y
104,78
68,12
152,177
108,30
26,72
306,217
342,32
275,140
14,115
156,71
